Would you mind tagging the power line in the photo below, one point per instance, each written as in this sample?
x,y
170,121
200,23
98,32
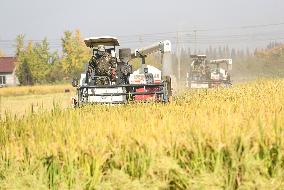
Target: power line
x,y
208,30
205,36
182,31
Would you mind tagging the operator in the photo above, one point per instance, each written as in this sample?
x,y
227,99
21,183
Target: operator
x,y
101,51
93,63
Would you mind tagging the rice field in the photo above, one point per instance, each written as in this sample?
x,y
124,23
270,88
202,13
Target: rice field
x,y
25,104
26,99
207,139
35,90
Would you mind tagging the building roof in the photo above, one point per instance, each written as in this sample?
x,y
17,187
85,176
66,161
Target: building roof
x,y
7,64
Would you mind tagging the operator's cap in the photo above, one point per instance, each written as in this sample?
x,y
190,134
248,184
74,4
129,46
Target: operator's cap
x,y
101,48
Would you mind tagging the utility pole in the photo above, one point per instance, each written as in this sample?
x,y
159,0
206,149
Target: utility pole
x,y
195,41
178,55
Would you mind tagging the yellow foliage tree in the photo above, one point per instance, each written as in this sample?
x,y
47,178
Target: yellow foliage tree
x,y
75,53
38,59
275,52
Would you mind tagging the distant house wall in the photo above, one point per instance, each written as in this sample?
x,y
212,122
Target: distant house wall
x,y
8,79
8,71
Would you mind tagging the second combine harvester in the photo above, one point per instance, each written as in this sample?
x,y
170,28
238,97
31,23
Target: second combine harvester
x,y
109,77
205,73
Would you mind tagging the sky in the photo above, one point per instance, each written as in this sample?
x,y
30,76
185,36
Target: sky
x,y
217,22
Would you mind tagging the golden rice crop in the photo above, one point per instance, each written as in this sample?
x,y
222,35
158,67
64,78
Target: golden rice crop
x,y
207,139
37,89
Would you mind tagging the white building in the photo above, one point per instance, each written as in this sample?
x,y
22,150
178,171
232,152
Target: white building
x,y
7,71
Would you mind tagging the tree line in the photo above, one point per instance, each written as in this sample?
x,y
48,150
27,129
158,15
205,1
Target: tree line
x,y
265,62
37,64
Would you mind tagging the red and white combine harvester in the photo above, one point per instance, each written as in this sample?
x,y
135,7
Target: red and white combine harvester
x,y
109,77
205,73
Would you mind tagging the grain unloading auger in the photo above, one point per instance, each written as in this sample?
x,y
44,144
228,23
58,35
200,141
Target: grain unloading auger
x,y
109,78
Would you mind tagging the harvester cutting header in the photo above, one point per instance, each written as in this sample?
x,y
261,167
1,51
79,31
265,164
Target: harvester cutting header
x,y
109,77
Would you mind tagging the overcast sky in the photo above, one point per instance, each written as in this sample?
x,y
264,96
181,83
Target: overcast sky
x,y
49,18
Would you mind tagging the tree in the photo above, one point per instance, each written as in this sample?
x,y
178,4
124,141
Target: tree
x,y
75,54
40,63
220,52
20,45
214,55
38,60
247,52
207,52
228,54
233,53
56,73
24,73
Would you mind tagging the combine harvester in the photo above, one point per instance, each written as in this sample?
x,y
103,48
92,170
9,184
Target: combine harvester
x,y
109,77
205,73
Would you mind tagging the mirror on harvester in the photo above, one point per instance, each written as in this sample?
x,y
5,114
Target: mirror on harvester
x,y
75,82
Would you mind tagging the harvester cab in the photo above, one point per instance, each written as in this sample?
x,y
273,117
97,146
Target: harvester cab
x,y
103,49
109,77
205,73
221,70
